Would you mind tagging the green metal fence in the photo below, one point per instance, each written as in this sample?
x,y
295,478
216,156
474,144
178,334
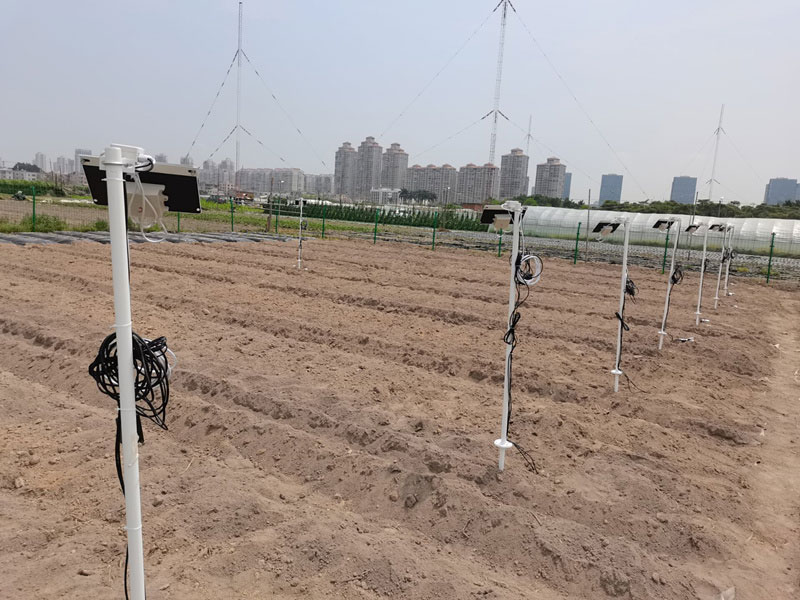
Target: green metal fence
x,y
771,258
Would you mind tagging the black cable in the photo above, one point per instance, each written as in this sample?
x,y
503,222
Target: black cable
x,y
527,270
151,391
630,290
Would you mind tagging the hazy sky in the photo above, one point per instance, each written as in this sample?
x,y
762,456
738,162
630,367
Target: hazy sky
x,y
652,76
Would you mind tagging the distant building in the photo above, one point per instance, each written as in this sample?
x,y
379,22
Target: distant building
x,y
550,178
779,190
321,185
368,168
442,181
40,160
344,176
161,158
76,166
63,165
477,184
288,182
393,167
187,161
683,189
384,196
610,188
567,186
513,174
257,181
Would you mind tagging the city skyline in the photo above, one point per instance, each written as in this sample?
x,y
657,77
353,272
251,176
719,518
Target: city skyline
x,y
656,130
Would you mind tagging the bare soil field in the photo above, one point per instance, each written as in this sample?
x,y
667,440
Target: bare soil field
x,y
330,430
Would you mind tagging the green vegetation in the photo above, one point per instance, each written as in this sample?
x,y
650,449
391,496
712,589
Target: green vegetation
x,y
43,188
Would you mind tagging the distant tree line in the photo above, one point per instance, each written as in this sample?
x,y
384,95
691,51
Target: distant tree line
x,y
417,195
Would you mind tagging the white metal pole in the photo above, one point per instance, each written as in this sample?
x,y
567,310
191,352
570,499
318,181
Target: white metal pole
x,y
728,262
112,162
663,332
617,371
238,99
503,444
721,261
702,273
300,237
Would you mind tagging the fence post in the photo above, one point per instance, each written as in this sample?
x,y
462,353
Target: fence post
x,y
33,220
179,222
375,231
277,216
231,199
500,243
324,211
769,264
664,262
577,239
435,223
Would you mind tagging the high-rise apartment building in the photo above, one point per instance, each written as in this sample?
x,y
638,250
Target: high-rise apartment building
x,y
76,166
63,165
550,178
161,158
477,184
368,168
442,181
257,181
288,181
40,160
779,190
683,189
393,167
610,188
567,186
513,174
344,175
321,185
187,161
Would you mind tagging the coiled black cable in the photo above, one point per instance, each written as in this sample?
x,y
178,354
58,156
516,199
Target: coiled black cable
x,y
151,391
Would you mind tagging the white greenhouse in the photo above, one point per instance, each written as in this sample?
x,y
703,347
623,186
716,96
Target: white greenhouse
x,y
749,235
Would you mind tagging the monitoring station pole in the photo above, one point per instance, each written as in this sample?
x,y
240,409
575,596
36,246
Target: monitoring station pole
x,y
663,331
300,237
515,208
721,263
702,273
114,165
728,262
617,371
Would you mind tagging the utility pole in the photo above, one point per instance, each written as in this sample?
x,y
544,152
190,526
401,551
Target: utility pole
x,y
499,78
528,137
714,164
238,98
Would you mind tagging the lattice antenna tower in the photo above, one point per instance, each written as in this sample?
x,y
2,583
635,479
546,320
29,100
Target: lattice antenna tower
x,y
716,151
238,98
499,78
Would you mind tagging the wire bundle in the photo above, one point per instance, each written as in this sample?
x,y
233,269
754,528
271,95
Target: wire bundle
x,y
152,370
527,272
151,390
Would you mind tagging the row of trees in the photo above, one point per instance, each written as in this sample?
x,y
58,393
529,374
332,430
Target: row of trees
x,y
417,195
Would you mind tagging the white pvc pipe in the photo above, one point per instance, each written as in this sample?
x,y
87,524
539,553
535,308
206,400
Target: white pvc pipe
x,y
617,371
663,331
300,237
112,162
721,261
502,443
702,273
728,262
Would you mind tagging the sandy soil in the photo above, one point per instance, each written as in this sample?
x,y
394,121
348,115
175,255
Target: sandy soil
x,y
330,430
